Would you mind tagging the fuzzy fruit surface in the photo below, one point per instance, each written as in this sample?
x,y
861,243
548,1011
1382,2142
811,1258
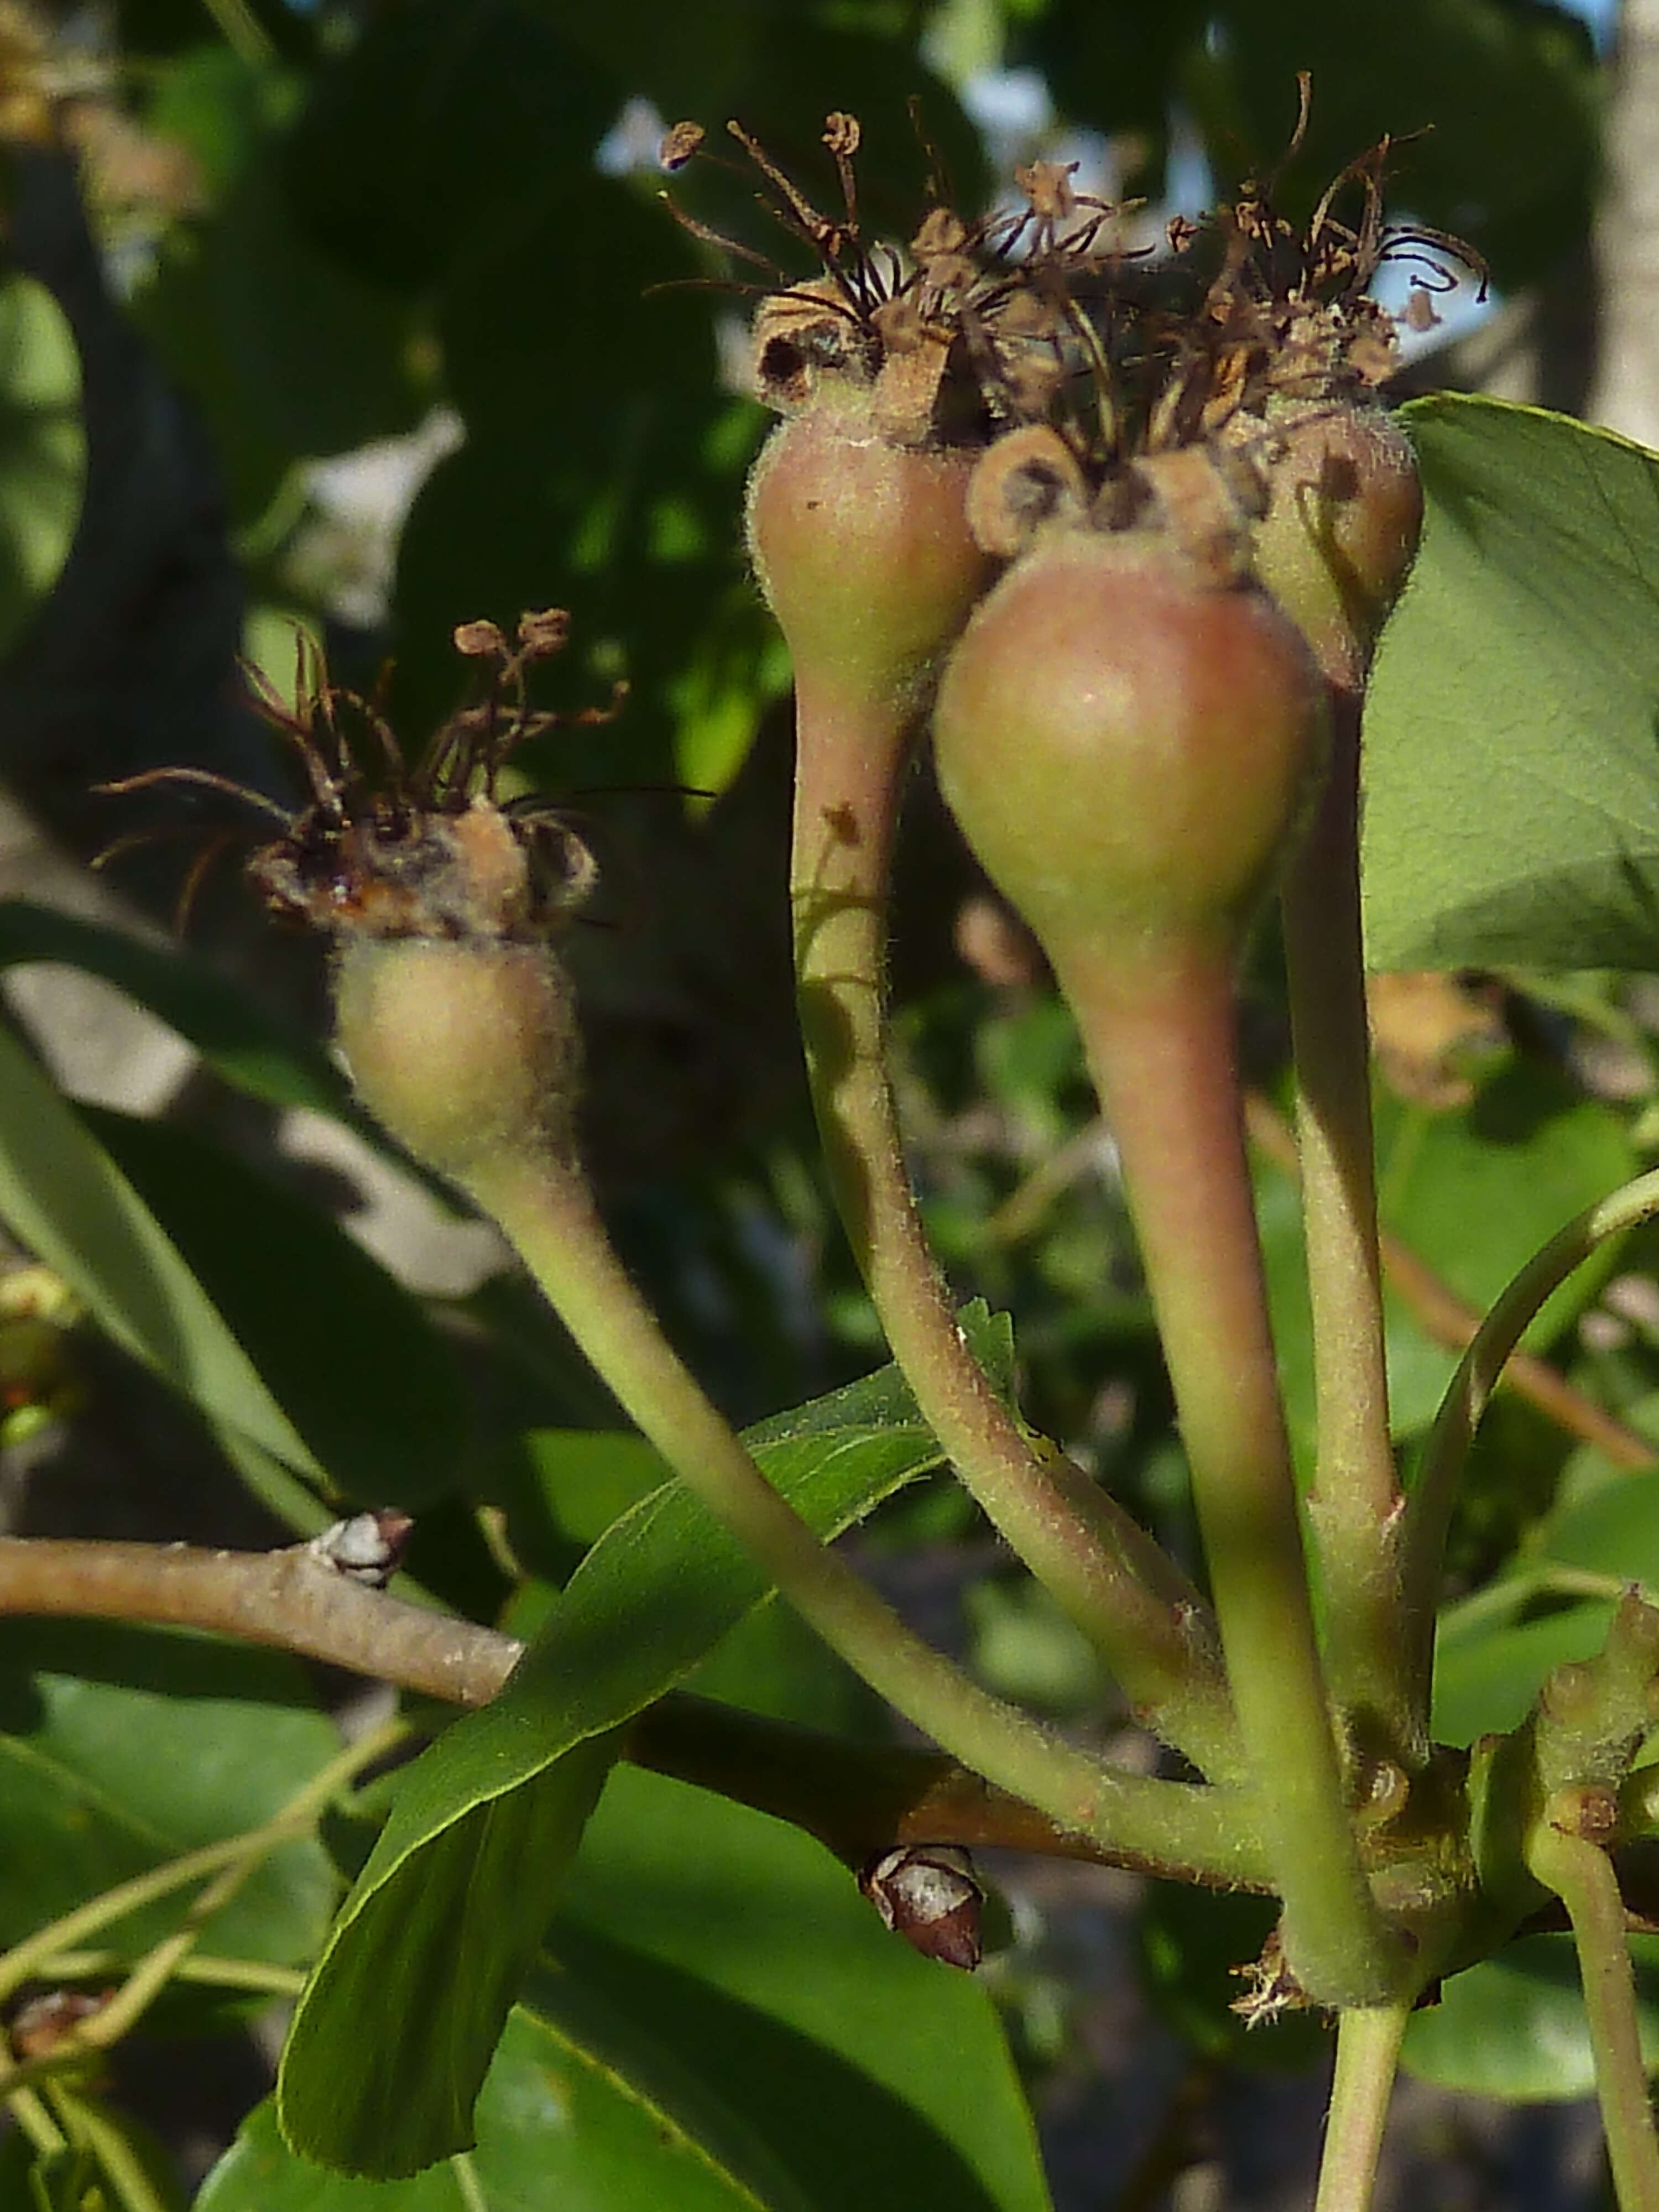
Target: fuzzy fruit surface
x,y
862,547
465,1050
1340,533
1128,750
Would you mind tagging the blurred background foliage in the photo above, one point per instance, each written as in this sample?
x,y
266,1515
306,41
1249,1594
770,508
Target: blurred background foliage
x,y
367,320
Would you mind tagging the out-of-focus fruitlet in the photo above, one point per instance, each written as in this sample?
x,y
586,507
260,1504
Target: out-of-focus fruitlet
x,y
463,1049
1340,533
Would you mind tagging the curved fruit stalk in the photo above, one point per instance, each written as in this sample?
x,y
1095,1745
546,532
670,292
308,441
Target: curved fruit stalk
x,y
863,547
1130,745
464,1048
1335,547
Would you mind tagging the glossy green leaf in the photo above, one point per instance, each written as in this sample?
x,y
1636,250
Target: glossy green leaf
x,y
241,1042
349,1354
1512,787
651,1598
773,1664
64,1200
386,2057
1487,1679
122,1748
43,448
893,2088
1513,2026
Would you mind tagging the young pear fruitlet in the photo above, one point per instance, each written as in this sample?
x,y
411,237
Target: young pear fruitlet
x,y
1130,734
1129,746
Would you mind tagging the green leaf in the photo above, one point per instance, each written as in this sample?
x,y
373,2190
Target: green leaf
x,y
65,1200
43,448
1614,1531
286,354
1513,2026
1476,1193
1419,1370
893,2084
583,2104
650,1599
1487,1681
122,1748
434,1973
215,103
773,1664
430,133
590,1477
1473,1193
349,1356
240,1041
1512,786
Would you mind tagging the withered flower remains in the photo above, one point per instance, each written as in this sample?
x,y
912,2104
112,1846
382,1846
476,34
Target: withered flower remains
x,y
385,847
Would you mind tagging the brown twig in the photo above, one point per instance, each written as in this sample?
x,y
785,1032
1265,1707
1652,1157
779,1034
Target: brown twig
x,y
856,1799
1452,1322
292,1598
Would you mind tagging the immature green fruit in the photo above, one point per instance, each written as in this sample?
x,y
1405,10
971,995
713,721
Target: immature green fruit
x,y
466,1049
1128,746
1340,533
862,547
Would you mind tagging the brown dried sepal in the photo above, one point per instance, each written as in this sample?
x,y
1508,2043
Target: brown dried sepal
x,y
803,335
1030,478
1205,498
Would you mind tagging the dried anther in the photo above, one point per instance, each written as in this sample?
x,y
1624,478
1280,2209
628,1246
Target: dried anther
x,y
680,144
390,849
967,329
1270,1989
